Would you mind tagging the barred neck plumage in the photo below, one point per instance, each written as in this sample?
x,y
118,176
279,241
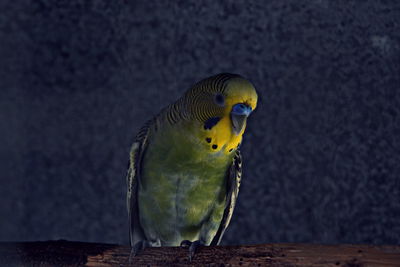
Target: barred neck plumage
x,y
195,103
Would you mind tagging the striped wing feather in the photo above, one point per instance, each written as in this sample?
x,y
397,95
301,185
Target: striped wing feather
x,y
233,183
139,146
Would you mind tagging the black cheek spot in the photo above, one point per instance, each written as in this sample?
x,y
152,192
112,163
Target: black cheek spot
x,y
230,150
214,146
208,140
211,122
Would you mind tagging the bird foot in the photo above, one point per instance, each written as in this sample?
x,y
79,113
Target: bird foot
x,y
193,246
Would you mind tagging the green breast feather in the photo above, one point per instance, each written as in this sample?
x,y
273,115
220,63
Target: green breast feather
x,y
182,190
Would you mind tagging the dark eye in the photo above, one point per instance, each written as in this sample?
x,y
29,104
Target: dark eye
x,y
219,99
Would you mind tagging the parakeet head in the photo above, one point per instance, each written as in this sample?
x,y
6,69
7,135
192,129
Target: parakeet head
x,y
222,104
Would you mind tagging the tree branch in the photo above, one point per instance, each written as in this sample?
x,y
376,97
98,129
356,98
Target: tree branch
x,y
64,253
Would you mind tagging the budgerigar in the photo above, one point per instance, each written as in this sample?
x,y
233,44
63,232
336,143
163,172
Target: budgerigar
x,y
185,166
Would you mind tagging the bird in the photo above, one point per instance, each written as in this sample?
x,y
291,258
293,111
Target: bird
x,y
185,166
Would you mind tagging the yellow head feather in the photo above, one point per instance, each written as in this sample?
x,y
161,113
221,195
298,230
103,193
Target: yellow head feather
x,y
203,106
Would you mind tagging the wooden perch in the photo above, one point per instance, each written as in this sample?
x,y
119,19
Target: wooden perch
x,y
64,253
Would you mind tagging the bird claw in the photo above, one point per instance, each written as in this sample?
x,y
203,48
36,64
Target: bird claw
x,y
193,246
186,243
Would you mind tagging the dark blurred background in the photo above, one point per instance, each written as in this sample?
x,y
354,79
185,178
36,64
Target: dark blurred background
x,y
322,151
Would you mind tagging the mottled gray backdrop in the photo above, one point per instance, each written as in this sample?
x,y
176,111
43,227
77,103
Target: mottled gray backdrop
x,y
322,151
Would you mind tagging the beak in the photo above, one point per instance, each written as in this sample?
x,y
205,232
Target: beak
x,y
239,114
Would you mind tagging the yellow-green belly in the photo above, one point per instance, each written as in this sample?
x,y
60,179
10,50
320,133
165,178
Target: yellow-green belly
x,y
182,190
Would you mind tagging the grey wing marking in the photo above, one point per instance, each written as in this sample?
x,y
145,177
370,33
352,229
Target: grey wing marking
x,y
137,151
233,183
